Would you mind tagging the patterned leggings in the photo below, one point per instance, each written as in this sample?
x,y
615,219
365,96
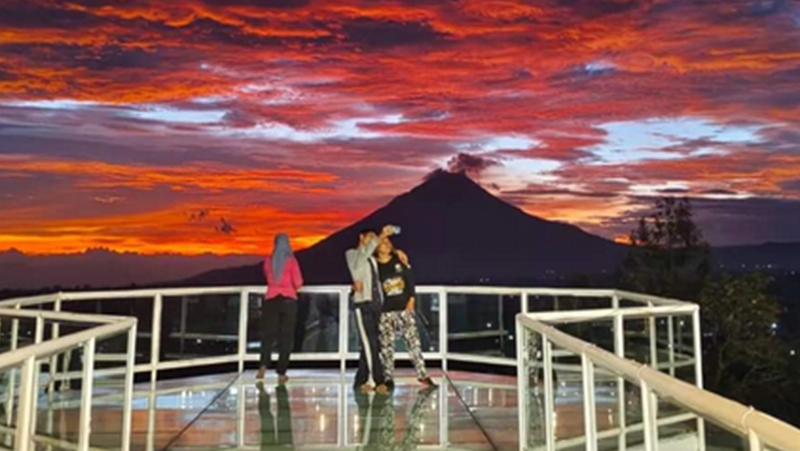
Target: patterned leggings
x,y
405,322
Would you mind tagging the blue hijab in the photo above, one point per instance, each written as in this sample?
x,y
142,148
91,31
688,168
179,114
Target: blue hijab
x,y
280,253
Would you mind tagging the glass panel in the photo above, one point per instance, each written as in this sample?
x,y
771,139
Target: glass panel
x,y
140,308
598,332
723,440
534,393
540,303
482,324
569,418
681,436
634,435
317,312
637,340
199,326
59,410
9,384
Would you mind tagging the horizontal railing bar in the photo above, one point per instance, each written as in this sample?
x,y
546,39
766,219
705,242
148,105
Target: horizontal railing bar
x,y
715,408
647,298
471,358
61,344
324,289
49,441
62,316
573,316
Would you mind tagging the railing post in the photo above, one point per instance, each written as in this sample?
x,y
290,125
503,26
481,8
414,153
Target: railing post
x,y
653,350
244,312
151,418
241,411
671,345
87,384
754,443
549,394
38,336
344,330
697,341
12,377
155,344
524,297
55,333
27,405
648,418
619,350
127,402
443,327
653,333
522,383
589,406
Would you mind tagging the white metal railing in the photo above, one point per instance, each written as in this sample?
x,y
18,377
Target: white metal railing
x,y
444,297
538,333
28,360
540,308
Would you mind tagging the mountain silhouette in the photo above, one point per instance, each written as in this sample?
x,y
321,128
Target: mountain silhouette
x,y
454,232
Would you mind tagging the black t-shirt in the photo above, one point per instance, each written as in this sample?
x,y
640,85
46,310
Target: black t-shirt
x,y
397,283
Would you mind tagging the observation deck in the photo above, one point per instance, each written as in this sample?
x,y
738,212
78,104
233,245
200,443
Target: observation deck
x,y
518,369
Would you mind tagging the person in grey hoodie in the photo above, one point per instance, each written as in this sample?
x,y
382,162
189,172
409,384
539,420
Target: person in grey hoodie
x,y
367,300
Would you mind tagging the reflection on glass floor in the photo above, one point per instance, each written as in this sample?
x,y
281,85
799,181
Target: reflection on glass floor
x,y
317,409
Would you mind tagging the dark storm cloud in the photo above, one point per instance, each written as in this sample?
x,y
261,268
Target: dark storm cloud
x,y
371,33
593,8
34,15
472,164
267,4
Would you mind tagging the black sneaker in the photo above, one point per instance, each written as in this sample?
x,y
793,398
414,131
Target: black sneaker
x,y
389,384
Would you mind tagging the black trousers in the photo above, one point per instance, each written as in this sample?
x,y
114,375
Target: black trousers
x,y
278,318
370,369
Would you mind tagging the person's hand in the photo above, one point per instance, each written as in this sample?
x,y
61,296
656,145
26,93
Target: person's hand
x,y
358,287
403,257
387,231
412,302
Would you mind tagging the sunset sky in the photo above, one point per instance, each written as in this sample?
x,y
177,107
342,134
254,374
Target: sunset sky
x,y
206,126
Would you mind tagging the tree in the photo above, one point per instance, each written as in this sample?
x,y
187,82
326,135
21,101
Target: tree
x,y
668,255
744,359
742,351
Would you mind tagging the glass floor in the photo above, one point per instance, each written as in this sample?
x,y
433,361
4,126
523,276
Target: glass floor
x,y
317,409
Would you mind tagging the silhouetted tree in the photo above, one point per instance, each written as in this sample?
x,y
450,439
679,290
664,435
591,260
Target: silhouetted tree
x,y
668,255
744,358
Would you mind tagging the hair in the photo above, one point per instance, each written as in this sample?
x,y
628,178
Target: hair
x,y
363,232
281,252
391,245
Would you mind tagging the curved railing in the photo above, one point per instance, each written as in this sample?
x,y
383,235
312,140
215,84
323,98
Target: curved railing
x,y
541,333
28,361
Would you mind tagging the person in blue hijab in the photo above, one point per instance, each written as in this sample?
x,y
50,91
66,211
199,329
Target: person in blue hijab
x,y
279,311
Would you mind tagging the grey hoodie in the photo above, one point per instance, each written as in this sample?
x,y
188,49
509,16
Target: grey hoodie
x,y
361,265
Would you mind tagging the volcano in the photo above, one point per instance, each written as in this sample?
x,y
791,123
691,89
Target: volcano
x,y
455,232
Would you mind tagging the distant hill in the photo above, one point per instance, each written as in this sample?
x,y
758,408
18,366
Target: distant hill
x,y
455,232
769,257
104,268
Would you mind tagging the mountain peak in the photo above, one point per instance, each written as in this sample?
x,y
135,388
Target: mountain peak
x,y
445,186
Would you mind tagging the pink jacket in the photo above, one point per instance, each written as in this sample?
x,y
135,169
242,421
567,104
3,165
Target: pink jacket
x,y
291,279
